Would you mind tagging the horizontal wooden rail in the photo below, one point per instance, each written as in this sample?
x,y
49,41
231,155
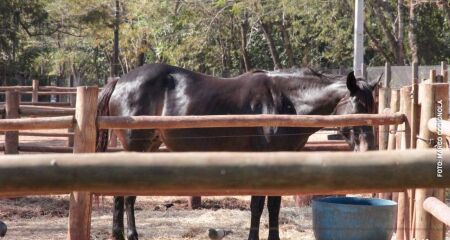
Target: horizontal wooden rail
x,y
45,134
57,89
166,122
42,134
50,104
444,126
16,88
36,123
46,93
45,111
438,209
221,172
53,149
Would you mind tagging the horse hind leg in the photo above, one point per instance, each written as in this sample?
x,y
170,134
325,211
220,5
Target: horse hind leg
x,y
256,209
273,205
137,141
131,224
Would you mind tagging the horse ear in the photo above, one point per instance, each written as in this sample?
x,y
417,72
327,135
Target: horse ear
x,y
351,82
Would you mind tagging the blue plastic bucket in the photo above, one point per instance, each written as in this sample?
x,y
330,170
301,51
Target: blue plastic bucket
x,y
352,218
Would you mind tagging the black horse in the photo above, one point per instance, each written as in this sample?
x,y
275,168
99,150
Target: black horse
x,y
160,89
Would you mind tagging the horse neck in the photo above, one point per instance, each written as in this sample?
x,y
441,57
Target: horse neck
x,y
319,98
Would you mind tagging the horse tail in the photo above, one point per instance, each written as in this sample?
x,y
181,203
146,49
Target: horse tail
x,y
103,110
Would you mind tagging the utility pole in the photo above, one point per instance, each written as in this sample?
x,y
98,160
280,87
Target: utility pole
x,y
358,46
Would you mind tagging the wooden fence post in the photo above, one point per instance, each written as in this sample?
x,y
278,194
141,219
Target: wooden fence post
x,y
72,99
444,71
432,95
383,102
84,142
414,123
12,112
394,106
34,94
403,214
437,227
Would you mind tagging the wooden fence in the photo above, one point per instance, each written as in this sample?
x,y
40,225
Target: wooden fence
x,y
412,173
419,102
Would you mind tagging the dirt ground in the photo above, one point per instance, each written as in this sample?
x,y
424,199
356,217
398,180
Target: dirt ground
x,y
45,217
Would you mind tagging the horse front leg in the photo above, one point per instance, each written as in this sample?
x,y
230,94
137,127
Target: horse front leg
x,y
131,224
256,208
118,227
274,204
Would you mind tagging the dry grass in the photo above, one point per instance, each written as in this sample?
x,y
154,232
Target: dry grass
x,y
46,218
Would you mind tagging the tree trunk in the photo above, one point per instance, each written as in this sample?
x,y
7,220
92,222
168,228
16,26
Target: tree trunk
x,y
287,43
388,32
243,30
400,29
267,27
413,34
115,60
141,55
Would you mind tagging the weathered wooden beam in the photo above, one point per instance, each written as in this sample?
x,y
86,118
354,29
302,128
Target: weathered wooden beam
x,y
57,89
34,94
444,126
243,173
12,114
45,111
431,95
84,142
16,88
50,104
166,122
36,123
438,209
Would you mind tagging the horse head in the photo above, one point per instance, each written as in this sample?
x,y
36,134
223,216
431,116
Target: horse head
x,y
360,100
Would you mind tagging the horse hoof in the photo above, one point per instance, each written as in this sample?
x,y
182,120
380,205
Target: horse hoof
x,y
117,236
132,235
273,236
253,237
3,229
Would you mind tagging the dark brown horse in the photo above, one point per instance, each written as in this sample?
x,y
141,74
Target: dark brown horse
x,y
160,89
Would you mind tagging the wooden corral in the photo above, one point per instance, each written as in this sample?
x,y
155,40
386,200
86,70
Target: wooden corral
x,y
412,173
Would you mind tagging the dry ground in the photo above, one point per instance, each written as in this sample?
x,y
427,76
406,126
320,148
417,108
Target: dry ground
x,y
45,217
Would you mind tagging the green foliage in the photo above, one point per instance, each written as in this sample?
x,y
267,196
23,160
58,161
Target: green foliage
x,y
58,39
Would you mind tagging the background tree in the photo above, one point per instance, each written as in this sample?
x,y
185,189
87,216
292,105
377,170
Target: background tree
x,y
71,42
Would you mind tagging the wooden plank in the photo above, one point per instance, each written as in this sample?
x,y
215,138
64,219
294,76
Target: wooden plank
x,y
244,173
444,71
84,142
444,126
45,134
383,135
394,107
432,93
438,209
168,122
16,88
36,123
45,111
57,89
34,95
50,104
12,114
